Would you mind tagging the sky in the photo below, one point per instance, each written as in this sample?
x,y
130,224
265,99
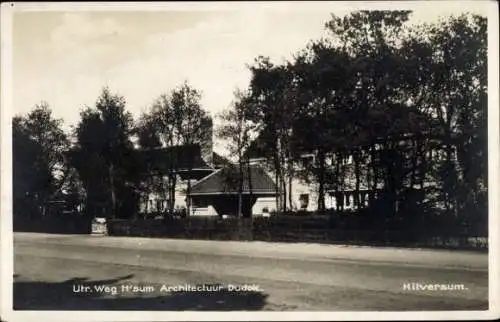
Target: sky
x,y
66,57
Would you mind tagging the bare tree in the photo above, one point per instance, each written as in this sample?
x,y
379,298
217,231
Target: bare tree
x,y
179,120
238,129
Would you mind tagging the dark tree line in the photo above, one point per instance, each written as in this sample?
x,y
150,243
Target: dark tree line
x,y
39,166
97,165
407,104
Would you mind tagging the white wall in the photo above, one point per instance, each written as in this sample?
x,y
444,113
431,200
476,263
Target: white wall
x,y
300,187
207,211
264,202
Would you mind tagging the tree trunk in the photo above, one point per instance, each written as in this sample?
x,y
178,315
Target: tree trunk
x,y
284,189
357,178
321,181
188,198
240,188
277,188
290,197
282,165
338,204
250,187
414,150
113,194
369,175
451,194
391,180
423,164
374,187
172,185
277,174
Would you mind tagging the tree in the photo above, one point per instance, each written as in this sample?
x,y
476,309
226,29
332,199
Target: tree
x,y
148,140
74,192
335,96
381,116
101,155
38,159
179,120
455,62
148,137
192,124
406,103
273,95
238,129
417,92
323,77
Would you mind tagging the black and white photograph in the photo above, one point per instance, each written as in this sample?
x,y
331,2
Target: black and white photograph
x,y
250,161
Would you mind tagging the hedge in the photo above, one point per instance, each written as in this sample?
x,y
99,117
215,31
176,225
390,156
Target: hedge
x,y
341,228
68,224
190,227
282,228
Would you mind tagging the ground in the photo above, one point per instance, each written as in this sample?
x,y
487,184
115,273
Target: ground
x,y
49,271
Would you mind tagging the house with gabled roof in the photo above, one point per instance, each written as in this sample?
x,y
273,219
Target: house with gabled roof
x,y
213,180
221,190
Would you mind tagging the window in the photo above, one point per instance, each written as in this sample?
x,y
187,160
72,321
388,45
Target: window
x,y
307,159
304,201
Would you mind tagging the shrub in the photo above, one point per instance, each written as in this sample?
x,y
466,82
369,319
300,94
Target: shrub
x,y
362,227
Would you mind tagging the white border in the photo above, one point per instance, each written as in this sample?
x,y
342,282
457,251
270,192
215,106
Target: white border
x,y
6,239
493,160
6,253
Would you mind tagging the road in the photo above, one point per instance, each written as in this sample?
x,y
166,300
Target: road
x,y
82,272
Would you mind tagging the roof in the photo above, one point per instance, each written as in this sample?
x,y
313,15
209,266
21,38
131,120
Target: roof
x,y
226,181
176,157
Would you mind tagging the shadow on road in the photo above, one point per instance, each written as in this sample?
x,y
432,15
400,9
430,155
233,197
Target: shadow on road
x,y
61,296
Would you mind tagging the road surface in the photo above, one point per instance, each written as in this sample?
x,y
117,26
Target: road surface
x,y
82,272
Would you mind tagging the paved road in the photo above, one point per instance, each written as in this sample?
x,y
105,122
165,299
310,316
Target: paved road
x,y
71,272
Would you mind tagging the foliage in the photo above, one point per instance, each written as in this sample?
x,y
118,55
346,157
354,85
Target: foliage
x,y
176,119
38,160
237,128
406,104
102,157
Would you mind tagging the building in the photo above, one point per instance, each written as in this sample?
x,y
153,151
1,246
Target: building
x,y
207,183
345,191
220,192
193,178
